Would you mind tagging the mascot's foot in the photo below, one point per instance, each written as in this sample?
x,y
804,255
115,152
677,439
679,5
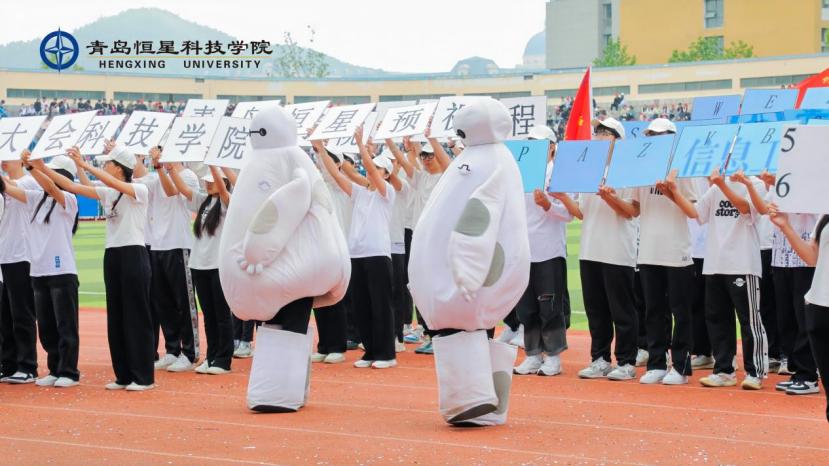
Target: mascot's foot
x,y
272,409
461,419
280,374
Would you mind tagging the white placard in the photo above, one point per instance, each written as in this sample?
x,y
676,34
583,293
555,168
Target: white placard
x,y
210,108
341,121
405,121
230,143
801,170
383,107
144,131
16,134
307,114
349,144
249,109
63,132
189,139
442,123
526,112
99,130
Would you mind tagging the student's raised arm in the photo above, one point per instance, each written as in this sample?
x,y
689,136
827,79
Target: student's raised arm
x,y
12,190
571,205
671,190
103,176
739,202
224,194
807,250
404,162
231,175
756,199
440,155
167,184
46,183
82,178
623,208
178,181
342,181
372,173
63,182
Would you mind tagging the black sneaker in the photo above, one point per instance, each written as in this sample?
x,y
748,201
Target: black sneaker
x,y
21,378
784,385
802,387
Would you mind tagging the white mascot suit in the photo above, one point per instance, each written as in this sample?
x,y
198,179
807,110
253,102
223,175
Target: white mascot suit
x,y
281,245
470,264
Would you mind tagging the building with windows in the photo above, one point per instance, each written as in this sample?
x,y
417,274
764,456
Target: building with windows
x,y
577,30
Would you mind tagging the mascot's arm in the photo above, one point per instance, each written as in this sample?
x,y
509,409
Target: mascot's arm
x,y
275,223
475,257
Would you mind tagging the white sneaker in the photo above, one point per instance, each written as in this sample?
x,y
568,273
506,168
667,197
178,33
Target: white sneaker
x,y
202,368
597,369
653,377
361,346
784,367
182,364
518,339
165,362
384,364
362,364
674,378
65,382
134,387
20,378
334,358
318,357
530,365
47,381
115,386
216,370
626,372
702,362
399,346
752,383
642,357
507,335
243,351
551,366
719,380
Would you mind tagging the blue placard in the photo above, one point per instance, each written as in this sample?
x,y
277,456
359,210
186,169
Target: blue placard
x,y
635,129
818,122
715,107
768,100
756,148
816,97
579,166
531,157
803,116
639,162
701,149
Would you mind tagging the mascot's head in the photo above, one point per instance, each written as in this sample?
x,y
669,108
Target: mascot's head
x,y
271,128
484,121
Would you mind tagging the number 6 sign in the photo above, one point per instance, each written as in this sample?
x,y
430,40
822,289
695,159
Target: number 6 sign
x,y
802,186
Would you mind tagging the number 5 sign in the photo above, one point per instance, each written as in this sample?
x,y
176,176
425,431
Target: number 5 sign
x,y
802,168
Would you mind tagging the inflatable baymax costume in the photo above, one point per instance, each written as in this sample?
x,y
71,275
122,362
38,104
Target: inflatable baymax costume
x,y
282,253
469,265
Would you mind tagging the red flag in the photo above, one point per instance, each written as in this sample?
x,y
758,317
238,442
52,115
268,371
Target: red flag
x,y
819,80
578,125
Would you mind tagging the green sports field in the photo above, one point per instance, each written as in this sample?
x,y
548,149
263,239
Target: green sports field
x,y
89,253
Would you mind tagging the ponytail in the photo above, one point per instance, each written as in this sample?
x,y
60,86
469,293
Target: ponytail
x,y
52,206
821,224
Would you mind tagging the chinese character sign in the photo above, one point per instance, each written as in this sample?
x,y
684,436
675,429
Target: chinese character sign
x,y
768,100
715,107
701,149
348,143
756,148
230,143
307,114
189,139
63,132
248,109
531,157
639,162
405,121
16,134
526,113
205,108
383,107
579,166
801,172
100,129
341,121
443,122
144,131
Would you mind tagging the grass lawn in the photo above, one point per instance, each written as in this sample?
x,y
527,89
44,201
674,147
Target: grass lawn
x,y
89,254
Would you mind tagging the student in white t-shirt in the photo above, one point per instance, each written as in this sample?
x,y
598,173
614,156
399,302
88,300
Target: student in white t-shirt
x,y
18,359
732,272
53,220
701,358
172,294
814,253
126,266
210,205
607,264
423,165
369,243
543,307
792,279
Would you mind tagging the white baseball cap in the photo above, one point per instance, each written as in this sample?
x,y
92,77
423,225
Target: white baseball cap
x,y
611,123
335,151
62,162
427,149
121,155
381,161
662,125
209,176
542,132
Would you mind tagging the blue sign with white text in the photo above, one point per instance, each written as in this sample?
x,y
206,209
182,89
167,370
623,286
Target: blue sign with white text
x,y
701,149
579,166
639,162
531,157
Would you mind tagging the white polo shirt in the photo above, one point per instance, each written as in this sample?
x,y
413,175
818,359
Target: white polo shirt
x,y
126,222
51,243
14,225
